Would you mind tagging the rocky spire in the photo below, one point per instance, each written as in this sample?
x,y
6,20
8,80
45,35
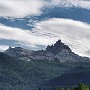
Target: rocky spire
x,y
57,47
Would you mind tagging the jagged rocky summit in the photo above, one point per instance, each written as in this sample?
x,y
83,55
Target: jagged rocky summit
x,y
58,47
57,52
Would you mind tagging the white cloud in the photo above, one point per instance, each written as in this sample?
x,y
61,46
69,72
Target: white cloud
x,y
74,33
71,3
20,8
28,38
23,8
3,48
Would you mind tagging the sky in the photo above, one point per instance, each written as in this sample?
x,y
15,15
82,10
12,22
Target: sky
x,y
34,24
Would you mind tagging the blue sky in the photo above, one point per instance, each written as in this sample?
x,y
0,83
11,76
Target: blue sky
x,y
34,24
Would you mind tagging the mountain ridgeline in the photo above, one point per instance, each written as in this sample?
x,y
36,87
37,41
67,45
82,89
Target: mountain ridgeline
x,y
59,52
22,69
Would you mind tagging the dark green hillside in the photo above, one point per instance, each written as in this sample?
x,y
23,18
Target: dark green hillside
x,y
18,74
23,75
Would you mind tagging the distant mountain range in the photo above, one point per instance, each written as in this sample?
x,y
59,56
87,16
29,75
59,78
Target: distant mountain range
x,y
22,69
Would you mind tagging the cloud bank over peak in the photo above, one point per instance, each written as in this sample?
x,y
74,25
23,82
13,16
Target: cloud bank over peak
x,y
76,34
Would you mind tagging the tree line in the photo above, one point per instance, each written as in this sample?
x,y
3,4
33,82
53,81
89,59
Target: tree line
x,y
81,86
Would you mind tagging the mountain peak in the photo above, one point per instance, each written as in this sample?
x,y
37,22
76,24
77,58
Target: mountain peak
x,y
17,51
57,47
58,42
58,51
